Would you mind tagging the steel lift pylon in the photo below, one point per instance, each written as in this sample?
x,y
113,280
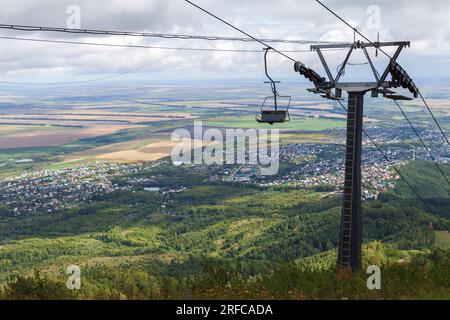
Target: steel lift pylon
x,y
351,232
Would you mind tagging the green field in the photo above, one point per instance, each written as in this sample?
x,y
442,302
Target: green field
x,y
442,239
296,124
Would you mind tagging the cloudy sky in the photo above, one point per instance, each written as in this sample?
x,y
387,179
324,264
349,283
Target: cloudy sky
x,y
424,23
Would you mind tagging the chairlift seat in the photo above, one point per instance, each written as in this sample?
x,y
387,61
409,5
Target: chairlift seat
x,y
272,116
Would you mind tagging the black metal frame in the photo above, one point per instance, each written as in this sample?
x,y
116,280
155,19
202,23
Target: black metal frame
x,y
287,117
350,240
349,251
379,85
273,85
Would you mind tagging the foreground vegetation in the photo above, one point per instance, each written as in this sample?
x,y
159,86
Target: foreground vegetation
x,y
228,241
405,275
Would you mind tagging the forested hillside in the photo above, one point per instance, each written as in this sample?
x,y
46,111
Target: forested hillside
x,y
232,237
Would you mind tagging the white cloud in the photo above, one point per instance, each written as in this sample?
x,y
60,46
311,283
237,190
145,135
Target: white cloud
x,y
425,23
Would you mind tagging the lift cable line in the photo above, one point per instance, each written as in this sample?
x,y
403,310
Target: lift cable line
x,y
96,79
355,30
212,38
384,155
152,34
144,46
377,45
263,42
177,49
277,115
434,118
422,142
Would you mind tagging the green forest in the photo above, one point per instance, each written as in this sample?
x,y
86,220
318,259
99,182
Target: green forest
x,y
229,240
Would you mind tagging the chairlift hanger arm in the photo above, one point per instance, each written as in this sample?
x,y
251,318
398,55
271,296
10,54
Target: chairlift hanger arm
x,y
374,70
341,71
272,82
325,65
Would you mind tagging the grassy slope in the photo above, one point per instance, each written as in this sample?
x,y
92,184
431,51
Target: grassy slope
x,y
443,239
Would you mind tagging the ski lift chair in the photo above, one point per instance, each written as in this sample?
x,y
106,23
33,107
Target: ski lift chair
x,y
274,113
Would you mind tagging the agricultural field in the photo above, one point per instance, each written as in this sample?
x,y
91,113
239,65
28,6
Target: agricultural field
x,y
115,150
142,152
440,106
296,124
67,130
48,136
6,129
287,138
442,239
